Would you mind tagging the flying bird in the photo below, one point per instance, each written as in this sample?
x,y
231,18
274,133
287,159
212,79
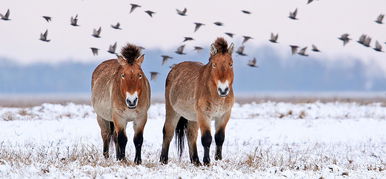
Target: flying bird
x,y
153,75
43,37
150,13
74,20
116,26
378,46
380,19
133,7
345,38
180,50
367,41
309,1
229,34
198,25
314,48
47,18
292,15
165,58
94,51
198,48
6,16
294,49
182,12
112,48
240,51
245,12
187,39
246,38
97,33
302,52
252,63
362,39
274,38
218,23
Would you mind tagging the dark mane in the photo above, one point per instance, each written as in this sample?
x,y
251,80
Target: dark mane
x,y
130,52
221,45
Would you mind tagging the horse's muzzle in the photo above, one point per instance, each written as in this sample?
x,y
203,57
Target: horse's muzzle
x,y
132,104
223,92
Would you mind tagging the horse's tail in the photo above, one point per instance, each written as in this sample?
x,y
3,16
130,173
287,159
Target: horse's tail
x,y
180,134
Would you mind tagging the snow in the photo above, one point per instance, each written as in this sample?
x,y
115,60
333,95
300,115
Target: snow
x,y
263,140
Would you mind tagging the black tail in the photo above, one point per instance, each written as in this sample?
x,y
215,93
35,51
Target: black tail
x,y
180,134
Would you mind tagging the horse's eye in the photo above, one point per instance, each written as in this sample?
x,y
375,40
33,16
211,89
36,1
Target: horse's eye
x,y
231,64
140,76
213,65
122,75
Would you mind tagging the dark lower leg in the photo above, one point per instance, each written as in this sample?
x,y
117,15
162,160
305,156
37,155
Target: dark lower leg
x,y
219,138
120,144
206,140
138,140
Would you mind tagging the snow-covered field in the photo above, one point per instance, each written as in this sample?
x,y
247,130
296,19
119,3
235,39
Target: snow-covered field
x,y
265,140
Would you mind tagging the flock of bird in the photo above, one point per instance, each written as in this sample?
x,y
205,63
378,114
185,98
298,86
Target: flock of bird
x,y
364,39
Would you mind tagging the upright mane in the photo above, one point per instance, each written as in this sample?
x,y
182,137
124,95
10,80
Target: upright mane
x,y
221,45
130,52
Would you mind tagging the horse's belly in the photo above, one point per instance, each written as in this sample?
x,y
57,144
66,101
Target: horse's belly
x,y
186,110
102,108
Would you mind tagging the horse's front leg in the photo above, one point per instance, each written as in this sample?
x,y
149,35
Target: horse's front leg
x,y
120,138
220,134
138,126
206,137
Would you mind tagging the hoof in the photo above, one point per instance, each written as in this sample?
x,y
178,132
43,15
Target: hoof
x,y
164,160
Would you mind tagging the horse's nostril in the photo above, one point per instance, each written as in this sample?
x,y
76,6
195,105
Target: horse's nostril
x,y
132,103
223,91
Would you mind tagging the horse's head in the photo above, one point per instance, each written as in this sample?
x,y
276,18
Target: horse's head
x,y
221,65
131,75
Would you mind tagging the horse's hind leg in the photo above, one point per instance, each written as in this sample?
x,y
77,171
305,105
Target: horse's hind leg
x,y
192,139
107,129
220,134
171,121
138,126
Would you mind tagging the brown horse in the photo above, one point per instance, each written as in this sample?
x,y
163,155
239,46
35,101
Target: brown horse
x,y
121,93
196,94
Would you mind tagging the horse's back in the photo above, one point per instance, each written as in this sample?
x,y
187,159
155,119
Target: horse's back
x,y
102,79
180,88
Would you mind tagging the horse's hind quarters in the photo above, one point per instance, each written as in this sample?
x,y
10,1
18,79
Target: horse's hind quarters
x,y
223,88
131,100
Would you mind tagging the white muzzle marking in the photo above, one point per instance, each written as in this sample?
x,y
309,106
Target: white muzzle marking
x,y
223,88
131,100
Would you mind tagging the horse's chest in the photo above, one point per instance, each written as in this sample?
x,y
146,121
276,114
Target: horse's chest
x,y
129,115
214,109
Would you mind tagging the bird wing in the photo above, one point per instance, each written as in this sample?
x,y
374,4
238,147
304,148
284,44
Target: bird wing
x,y
7,14
45,34
378,45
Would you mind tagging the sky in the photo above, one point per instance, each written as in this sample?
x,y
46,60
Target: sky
x,y
320,23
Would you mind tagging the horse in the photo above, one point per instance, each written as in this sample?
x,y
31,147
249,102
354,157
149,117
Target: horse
x,y
195,94
121,93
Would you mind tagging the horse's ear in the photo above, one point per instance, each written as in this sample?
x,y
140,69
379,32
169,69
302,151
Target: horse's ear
x,y
213,50
230,48
121,60
140,59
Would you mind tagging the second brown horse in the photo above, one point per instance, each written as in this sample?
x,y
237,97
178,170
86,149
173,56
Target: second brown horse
x,y
195,94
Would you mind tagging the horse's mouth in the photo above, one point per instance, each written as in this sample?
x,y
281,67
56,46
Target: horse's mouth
x,y
132,107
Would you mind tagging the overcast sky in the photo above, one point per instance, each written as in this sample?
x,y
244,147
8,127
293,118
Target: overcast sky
x,y
320,23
